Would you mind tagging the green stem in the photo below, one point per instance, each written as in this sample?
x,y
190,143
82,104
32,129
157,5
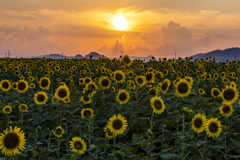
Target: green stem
x,y
89,130
114,144
35,155
67,137
7,121
58,148
226,145
183,138
49,141
163,138
21,119
202,155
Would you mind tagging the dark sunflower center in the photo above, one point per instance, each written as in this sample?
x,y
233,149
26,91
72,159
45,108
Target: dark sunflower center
x,y
14,86
109,132
198,122
21,86
86,98
5,85
104,82
182,88
44,83
91,86
62,93
164,72
40,97
11,141
132,84
213,127
23,107
7,109
226,109
127,60
164,86
87,113
117,124
87,81
229,94
157,104
139,80
118,77
122,96
58,131
78,145
215,93
152,92
149,76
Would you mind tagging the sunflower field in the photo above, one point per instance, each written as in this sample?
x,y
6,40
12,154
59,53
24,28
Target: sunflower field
x,y
177,109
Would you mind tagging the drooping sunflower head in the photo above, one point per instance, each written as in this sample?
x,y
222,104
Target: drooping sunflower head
x,y
229,95
198,123
157,104
44,83
23,107
109,134
117,124
165,85
12,141
55,100
58,132
126,60
7,109
183,88
22,86
201,91
226,110
123,96
62,92
40,98
87,113
78,145
213,127
5,85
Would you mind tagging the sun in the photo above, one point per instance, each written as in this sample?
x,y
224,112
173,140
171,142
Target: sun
x,y
120,23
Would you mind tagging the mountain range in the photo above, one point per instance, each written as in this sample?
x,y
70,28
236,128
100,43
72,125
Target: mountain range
x,y
220,55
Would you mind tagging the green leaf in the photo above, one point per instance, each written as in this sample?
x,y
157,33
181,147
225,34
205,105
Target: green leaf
x,y
121,145
235,142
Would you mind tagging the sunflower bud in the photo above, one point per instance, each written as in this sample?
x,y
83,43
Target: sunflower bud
x,y
175,111
150,132
92,147
119,152
191,112
39,127
164,126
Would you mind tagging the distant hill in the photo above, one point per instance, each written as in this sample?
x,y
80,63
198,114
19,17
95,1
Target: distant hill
x,y
95,55
220,55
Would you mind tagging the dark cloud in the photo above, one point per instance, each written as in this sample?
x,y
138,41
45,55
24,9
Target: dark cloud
x,y
178,39
143,36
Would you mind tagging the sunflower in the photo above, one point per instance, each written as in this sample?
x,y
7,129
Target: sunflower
x,y
123,96
78,145
153,91
62,92
113,89
7,109
119,76
32,85
226,110
86,99
5,85
109,134
157,105
198,123
201,91
189,79
132,85
183,88
213,127
117,124
23,107
140,80
11,141
229,95
150,77
55,100
104,82
40,98
44,83
126,60
87,113
22,86
87,80
164,85
58,132
215,92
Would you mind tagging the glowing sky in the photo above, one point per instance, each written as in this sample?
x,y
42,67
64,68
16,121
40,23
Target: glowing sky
x,y
156,27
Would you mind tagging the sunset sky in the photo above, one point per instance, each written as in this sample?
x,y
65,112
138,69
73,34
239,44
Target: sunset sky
x,y
155,27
